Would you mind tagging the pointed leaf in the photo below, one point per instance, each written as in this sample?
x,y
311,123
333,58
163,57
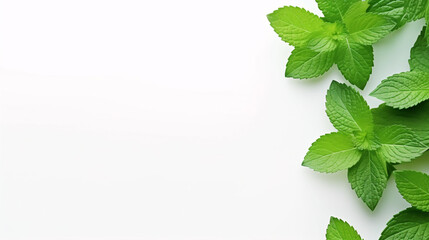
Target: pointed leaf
x,y
347,109
419,59
404,90
369,178
305,63
355,61
414,187
295,25
332,153
399,144
340,230
410,224
368,28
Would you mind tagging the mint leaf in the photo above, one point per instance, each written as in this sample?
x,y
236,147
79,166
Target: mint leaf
x,y
305,63
414,9
390,8
367,29
410,224
419,59
357,9
369,178
340,230
295,25
414,187
355,61
347,109
399,144
332,153
334,10
404,90
415,118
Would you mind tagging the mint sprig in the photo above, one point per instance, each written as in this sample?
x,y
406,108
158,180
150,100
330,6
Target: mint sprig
x,y
407,89
364,149
344,37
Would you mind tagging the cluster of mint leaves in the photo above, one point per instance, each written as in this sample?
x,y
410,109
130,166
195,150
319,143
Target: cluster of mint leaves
x,y
369,142
411,223
344,37
366,151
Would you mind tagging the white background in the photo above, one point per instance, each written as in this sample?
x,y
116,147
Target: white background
x,y
127,119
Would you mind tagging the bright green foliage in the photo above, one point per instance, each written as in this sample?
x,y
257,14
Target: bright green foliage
x,y
347,30
365,150
306,63
295,25
419,59
408,89
391,8
399,144
334,10
332,153
415,118
355,62
401,11
410,224
415,9
367,28
369,178
414,187
404,90
340,230
347,109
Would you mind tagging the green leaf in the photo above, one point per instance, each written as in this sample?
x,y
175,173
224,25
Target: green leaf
x,y
414,9
347,109
328,39
410,224
419,59
340,230
399,144
295,25
369,178
404,90
334,10
305,63
415,118
368,28
332,153
414,187
355,61
357,9
389,8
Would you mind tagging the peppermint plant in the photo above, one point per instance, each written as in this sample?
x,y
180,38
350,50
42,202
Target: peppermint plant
x,y
407,89
366,151
344,36
412,223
